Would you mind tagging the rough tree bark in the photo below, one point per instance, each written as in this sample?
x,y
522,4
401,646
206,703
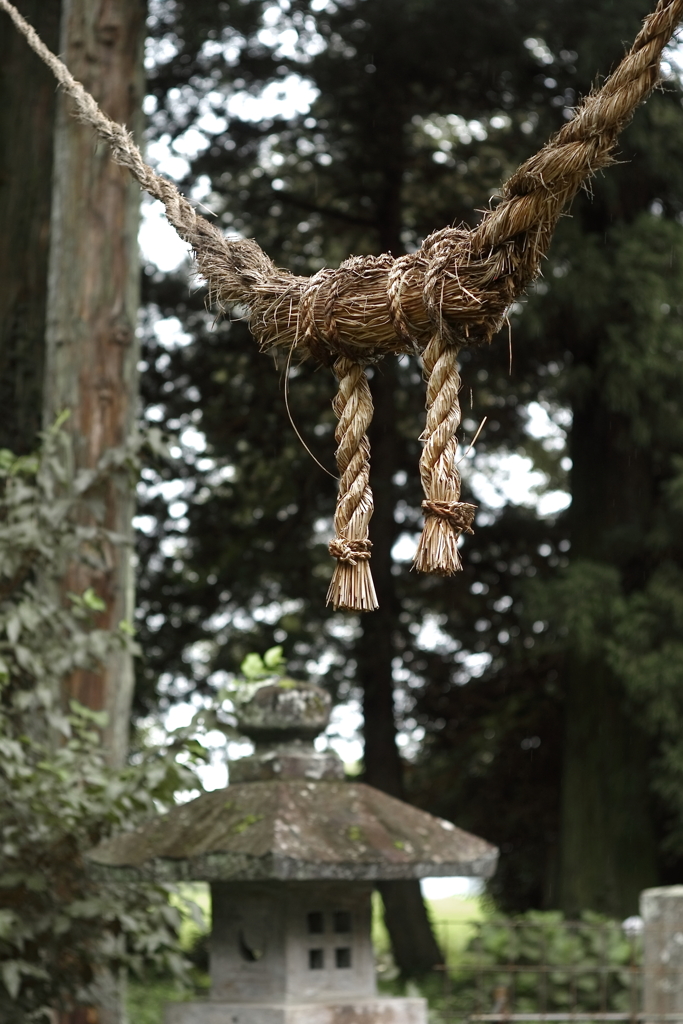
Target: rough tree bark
x,y
27,111
71,344
92,351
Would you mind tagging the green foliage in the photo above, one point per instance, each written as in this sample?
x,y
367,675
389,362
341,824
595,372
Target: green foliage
x,y
638,636
254,667
61,930
588,966
146,995
146,999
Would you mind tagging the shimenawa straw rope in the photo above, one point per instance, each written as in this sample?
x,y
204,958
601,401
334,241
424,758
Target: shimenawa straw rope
x,y
351,585
454,290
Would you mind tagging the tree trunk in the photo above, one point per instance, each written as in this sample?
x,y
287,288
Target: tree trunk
x,y
375,648
412,940
27,111
607,845
607,840
92,351
92,348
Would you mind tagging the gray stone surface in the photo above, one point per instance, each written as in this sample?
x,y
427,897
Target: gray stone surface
x,y
291,941
283,717
289,815
295,830
275,709
366,1011
662,913
295,760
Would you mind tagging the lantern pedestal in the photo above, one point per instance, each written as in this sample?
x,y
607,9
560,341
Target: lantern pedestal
x,y
351,1011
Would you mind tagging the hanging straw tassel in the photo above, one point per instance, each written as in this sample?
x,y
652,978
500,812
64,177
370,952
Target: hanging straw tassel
x,y
446,517
477,274
351,586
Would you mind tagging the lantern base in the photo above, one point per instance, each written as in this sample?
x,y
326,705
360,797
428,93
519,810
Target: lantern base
x,y
339,1011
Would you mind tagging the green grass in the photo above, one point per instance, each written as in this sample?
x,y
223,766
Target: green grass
x,y
453,920
146,1000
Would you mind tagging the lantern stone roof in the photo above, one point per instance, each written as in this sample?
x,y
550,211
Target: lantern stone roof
x,y
288,814
295,830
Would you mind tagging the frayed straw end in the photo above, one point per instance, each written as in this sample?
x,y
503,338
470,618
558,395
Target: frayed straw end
x,y
352,588
438,551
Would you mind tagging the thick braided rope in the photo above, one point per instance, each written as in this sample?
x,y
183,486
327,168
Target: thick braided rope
x,y
352,586
489,267
446,517
458,276
537,191
233,267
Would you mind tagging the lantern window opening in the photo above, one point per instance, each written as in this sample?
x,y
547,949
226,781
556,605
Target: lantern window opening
x,y
341,922
342,957
316,959
316,922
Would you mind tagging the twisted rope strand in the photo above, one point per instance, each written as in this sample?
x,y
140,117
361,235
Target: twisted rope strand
x,y
488,267
446,517
437,551
234,267
352,586
375,305
536,193
521,228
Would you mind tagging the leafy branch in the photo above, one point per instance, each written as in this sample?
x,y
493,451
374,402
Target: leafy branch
x,y
61,932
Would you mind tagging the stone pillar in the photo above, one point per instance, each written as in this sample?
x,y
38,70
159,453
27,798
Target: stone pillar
x,y
662,913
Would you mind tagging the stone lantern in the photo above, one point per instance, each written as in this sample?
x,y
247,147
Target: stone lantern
x,y
292,852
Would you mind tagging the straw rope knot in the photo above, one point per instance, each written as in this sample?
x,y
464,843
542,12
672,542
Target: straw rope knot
x,y
315,341
455,290
350,551
401,276
460,514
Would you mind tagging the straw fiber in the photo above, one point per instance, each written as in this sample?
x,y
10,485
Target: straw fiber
x,y
455,290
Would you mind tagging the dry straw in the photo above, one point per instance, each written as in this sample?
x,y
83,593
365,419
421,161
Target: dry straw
x,y
454,290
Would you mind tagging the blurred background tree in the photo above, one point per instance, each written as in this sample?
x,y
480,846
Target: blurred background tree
x,y
518,680
538,694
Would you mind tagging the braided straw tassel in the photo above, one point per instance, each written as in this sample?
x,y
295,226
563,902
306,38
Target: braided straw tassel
x,y
351,586
458,276
446,517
